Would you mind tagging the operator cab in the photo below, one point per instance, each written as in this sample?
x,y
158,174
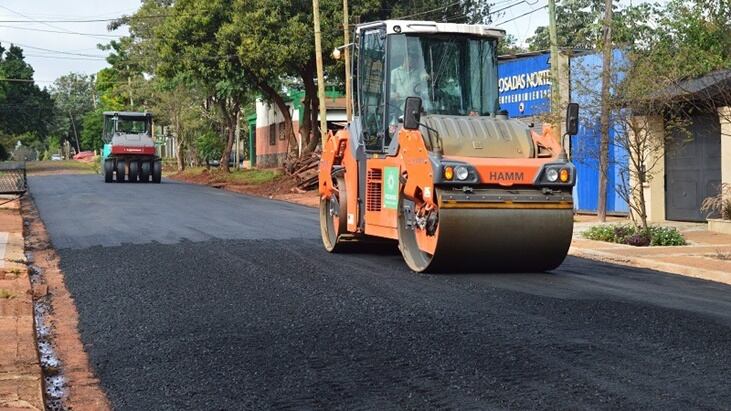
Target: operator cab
x,y
122,128
451,67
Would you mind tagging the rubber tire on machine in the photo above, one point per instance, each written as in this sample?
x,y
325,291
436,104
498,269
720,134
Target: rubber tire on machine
x,y
134,171
108,170
156,172
121,170
144,171
333,227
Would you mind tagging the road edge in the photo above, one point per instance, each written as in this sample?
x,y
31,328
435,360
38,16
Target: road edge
x,y
83,387
21,377
650,264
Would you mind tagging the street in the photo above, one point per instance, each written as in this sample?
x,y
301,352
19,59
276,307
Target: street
x,y
195,298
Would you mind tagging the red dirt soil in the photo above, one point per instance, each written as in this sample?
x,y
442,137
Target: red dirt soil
x,y
282,188
84,392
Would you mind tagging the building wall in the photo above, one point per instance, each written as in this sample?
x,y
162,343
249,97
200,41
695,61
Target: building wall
x,y
525,92
268,154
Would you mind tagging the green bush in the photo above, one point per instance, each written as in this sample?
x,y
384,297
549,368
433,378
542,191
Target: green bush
x,y
631,235
665,236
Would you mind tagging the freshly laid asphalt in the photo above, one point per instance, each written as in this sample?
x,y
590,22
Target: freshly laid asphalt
x,y
195,298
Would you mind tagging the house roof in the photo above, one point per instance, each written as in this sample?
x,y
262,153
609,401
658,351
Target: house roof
x,y
707,87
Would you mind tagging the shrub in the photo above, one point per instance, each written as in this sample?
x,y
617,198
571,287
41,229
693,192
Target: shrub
x,y
720,203
600,233
665,236
630,235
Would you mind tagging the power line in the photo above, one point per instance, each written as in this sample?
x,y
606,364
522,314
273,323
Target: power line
x,y
84,20
62,32
54,51
428,11
44,23
522,15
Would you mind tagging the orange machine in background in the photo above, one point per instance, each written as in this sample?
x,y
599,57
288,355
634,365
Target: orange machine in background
x,y
431,161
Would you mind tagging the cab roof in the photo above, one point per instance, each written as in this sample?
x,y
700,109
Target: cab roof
x,y
432,27
127,114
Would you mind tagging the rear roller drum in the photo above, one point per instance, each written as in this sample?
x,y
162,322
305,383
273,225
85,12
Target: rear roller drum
x,y
156,172
333,217
121,170
134,171
144,171
108,171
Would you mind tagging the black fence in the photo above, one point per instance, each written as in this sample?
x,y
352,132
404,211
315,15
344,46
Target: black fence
x,y
13,178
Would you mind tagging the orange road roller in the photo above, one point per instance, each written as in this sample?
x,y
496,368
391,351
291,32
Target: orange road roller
x,y
431,161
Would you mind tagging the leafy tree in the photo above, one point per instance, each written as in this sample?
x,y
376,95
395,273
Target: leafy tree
x,y
210,147
191,48
24,107
579,25
92,128
74,97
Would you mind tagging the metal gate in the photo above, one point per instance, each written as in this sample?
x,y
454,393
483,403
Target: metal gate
x,y
693,168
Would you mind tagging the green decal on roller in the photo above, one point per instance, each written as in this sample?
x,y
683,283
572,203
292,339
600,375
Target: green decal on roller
x,y
390,187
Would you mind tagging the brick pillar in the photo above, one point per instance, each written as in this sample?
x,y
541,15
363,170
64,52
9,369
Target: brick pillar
x,y
724,118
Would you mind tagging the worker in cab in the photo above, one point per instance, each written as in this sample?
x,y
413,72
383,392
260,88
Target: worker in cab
x,y
407,80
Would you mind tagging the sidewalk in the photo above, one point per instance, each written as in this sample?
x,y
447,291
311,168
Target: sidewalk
x,y
707,255
20,373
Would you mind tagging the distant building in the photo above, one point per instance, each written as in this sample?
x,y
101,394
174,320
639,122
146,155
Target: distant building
x,y
268,146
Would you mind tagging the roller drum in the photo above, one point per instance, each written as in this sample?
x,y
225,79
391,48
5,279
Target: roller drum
x,y
494,240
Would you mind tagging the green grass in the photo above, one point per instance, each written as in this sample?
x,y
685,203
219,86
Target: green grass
x,y
243,177
62,166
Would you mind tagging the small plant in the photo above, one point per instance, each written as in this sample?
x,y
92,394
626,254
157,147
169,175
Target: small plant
x,y
6,294
720,203
664,236
634,236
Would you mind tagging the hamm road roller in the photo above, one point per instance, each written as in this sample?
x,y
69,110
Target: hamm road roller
x,y
431,161
129,150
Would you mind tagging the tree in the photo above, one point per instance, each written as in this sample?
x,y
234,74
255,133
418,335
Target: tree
x,y
579,25
209,147
24,107
191,48
74,97
604,116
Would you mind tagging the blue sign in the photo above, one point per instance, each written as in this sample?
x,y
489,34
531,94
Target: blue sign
x,y
525,85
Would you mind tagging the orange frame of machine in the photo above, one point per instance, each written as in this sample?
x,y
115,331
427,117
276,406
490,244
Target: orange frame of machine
x,y
416,180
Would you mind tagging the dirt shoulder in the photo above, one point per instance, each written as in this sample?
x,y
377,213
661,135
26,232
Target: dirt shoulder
x,y
40,168
21,380
81,389
269,183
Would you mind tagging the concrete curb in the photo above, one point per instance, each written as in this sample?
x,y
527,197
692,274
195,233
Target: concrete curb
x,y
648,263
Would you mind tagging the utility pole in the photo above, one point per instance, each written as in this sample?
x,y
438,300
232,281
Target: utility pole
x,y
348,85
604,115
320,71
555,86
76,135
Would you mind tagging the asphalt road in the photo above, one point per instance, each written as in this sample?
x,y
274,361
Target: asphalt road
x,y
194,298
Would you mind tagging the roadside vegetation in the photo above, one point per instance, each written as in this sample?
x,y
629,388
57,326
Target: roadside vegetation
x,y
235,177
636,236
48,166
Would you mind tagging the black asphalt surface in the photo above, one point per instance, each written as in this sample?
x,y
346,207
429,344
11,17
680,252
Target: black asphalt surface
x,y
194,298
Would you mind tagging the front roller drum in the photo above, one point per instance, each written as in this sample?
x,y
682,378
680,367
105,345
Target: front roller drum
x,y
487,239
333,217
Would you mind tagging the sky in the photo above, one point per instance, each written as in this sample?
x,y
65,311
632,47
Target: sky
x,y
53,51
55,54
